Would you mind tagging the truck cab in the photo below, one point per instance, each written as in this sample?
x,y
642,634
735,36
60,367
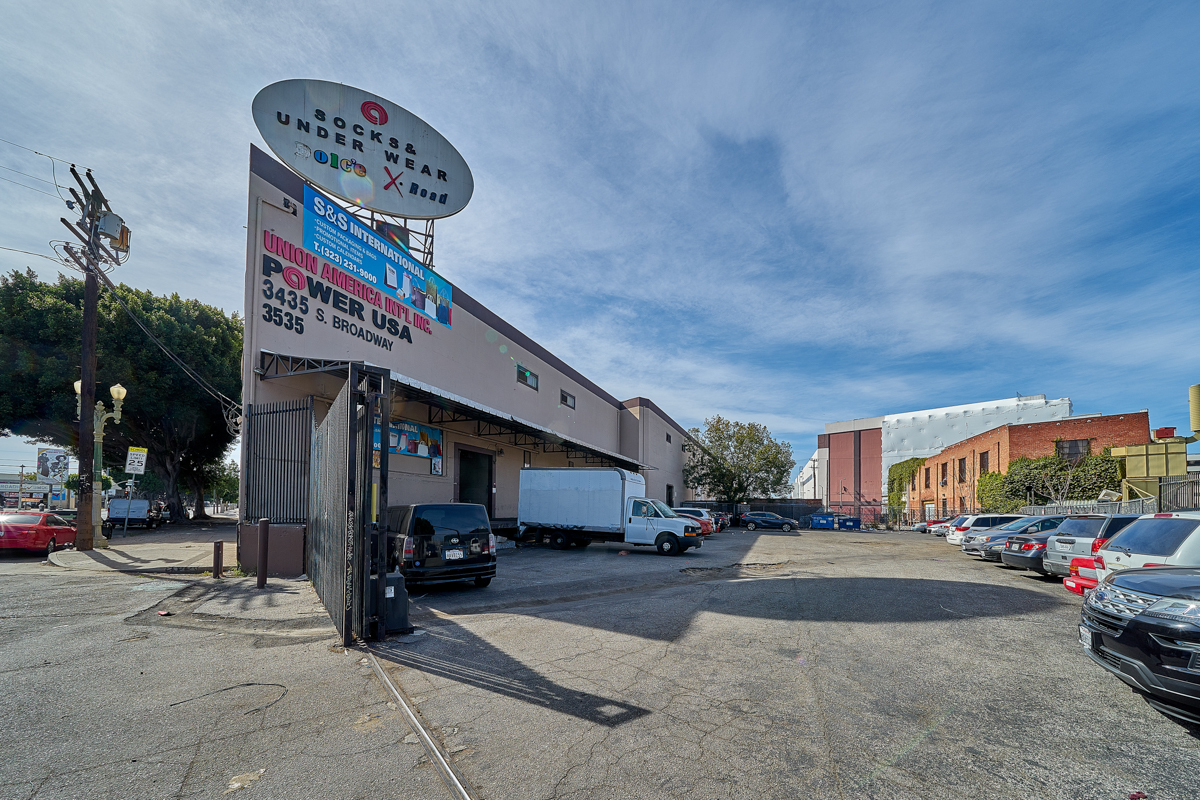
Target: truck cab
x,y
653,522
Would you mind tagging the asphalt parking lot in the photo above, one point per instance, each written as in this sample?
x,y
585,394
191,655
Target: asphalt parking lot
x,y
829,664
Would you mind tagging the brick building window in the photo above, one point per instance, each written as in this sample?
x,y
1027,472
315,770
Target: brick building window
x,y
962,470
1073,449
944,468
983,462
962,503
927,477
914,481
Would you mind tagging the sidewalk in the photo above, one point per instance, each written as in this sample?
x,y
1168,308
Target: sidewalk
x,y
186,549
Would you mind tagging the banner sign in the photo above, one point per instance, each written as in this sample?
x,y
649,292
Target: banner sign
x,y
52,466
371,258
29,488
413,439
135,461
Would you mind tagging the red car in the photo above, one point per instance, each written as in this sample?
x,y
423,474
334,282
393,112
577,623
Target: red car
x,y
706,526
43,531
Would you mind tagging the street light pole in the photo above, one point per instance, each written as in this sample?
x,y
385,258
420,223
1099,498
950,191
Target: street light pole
x,y
99,417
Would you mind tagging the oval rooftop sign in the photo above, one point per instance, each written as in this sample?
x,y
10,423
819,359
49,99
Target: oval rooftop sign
x,y
363,148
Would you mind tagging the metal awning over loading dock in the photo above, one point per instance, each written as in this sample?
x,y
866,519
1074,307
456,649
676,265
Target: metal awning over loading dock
x,y
458,414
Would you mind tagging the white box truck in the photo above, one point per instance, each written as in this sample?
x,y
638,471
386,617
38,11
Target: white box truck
x,y
575,507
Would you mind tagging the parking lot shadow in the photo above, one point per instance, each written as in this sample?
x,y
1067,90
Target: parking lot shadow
x,y
815,599
461,656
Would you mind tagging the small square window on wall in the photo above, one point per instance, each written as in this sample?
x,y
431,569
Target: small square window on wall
x,y
1073,449
566,399
668,438
526,377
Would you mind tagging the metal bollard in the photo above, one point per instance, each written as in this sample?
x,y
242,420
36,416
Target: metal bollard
x,y
264,531
218,559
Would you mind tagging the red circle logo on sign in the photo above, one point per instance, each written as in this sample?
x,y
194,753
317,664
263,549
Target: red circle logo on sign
x,y
374,113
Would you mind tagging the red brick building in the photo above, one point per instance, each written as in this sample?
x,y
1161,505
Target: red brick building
x,y
947,483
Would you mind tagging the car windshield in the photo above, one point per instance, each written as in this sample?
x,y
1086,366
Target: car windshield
x,y
1083,527
20,519
1015,525
957,521
1153,536
664,509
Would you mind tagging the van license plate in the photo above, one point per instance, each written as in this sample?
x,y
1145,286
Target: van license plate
x,y
451,555
1085,637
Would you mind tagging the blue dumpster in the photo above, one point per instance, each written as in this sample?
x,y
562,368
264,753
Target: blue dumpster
x,y
825,521
849,524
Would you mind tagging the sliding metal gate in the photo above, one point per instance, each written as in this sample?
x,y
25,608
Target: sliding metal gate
x,y
348,501
279,438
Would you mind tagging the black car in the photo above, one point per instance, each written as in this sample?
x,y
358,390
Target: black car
x,y
441,543
1026,551
1143,625
768,519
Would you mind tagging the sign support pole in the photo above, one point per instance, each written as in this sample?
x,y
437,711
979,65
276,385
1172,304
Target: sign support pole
x,y
128,505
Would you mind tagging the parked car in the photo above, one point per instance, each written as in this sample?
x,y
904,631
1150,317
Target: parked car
x,y
441,543
1081,535
1082,577
767,519
940,528
974,523
992,550
707,523
722,520
1143,626
35,530
922,527
1152,540
975,543
1026,551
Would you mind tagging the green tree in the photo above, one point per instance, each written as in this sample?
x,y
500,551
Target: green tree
x,y
182,427
224,480
1049,479
737,461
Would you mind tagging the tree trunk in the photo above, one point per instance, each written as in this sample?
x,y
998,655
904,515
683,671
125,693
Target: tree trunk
x,y
198,486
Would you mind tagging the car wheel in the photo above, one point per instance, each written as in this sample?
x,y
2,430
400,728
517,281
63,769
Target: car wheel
x,y
51,546
749,526
482,583
786,527
668,545
559,541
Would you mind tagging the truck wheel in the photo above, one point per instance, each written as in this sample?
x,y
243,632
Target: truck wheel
x,y
559,541
668,545
750,526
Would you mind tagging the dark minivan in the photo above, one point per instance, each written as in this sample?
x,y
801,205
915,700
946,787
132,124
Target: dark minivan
x,y
441,543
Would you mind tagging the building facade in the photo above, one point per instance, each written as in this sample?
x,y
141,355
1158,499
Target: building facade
x,y
948,481
473,399
853,457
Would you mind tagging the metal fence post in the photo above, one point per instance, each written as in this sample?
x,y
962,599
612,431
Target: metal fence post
x,y
264,532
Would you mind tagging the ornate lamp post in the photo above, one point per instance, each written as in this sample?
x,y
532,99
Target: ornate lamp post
x,y
100,417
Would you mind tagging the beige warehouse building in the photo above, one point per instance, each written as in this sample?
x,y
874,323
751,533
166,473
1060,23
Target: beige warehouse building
x,y
473,399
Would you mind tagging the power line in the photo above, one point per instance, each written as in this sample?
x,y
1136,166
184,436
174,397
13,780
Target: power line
x,y
35,177
26,252
37,153
30,188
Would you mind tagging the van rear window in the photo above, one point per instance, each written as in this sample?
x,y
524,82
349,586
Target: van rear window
x,y
1084,528
461,519
1153,536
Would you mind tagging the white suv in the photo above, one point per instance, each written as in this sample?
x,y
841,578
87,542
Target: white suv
x,y
975,523
1152,540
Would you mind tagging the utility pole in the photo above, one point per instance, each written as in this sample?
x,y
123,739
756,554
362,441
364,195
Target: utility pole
x,y
97,220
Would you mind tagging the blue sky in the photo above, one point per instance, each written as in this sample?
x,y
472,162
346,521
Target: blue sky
x,y
788,213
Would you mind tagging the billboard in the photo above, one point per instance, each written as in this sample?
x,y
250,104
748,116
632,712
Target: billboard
x,y
412,439
335,235
52,465
363,148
